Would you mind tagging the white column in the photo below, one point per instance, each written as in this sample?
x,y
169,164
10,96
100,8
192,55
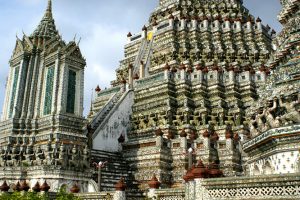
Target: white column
x,y
55,85
144,34
231,76
247,75
183,143
130,76
238,25
194,23
200,75
206,143
183,74
227,24
159,141
28,84
216,74
182,24
171,22
217,24
17,102
7,94
62,88
259,25
81,92
229,145
34,86
205,24
39,93
142,70
249,25
263,76
166,74
129,37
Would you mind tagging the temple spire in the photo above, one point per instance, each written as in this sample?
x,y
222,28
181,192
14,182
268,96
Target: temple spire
x,y
48,13
47,27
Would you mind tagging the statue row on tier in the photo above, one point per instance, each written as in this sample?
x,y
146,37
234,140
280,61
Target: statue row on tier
x,y
156,119
280,111
217,119
182,118
74,157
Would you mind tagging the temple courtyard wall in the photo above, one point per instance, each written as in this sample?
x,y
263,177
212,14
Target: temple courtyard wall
x,y
270,187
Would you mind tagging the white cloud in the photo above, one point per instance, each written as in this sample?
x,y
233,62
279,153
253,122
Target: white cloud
x,y
100,47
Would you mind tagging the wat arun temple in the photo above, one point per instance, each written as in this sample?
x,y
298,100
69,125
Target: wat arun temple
x,y
205,105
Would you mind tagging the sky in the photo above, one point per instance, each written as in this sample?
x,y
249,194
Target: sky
x,y
102,26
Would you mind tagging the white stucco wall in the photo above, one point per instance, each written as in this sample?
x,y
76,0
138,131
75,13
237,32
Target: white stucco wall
x,y
279,163
107,138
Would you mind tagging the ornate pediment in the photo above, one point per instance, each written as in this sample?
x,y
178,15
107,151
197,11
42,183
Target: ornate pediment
x,y
19,48
53,47
28,46
73,50
22,46
76,53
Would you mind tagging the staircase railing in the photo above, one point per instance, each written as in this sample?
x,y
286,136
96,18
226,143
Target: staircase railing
x,y
139,57
111,112
148,54
104,110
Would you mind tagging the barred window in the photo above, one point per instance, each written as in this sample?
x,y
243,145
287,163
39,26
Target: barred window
x,y
49,90
71,92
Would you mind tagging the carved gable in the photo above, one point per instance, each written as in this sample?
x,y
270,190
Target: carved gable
x,y
76,53
28,46
73,50
53,47
19,49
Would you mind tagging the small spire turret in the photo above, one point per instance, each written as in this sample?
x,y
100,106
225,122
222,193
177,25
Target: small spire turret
x,y
47,27
48,13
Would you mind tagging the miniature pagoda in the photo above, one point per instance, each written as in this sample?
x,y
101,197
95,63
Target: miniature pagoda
x,y
274,118
41,131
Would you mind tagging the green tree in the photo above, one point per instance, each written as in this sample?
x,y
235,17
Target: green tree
x,y
64,195
61,195
23,196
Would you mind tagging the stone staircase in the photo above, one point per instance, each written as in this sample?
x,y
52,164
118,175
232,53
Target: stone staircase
x,y
105,111
143,55
147,55
147,51
115,169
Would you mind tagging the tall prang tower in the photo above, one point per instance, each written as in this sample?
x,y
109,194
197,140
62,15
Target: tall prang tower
x,y
274,145
193,72
41,131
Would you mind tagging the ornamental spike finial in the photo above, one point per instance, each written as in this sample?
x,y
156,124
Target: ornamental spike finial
x,y
49,7
48,14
